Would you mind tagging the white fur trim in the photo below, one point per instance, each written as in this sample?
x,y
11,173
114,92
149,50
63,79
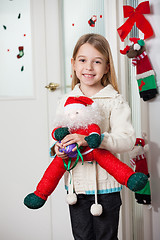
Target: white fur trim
x,y
90,150
145,74
73,106
94,133
96,209
92,115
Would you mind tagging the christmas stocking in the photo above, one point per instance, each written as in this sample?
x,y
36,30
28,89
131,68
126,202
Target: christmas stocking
x,y
144,73
138,159
21,52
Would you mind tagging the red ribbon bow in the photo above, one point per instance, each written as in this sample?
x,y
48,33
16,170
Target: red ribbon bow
x,y
136,16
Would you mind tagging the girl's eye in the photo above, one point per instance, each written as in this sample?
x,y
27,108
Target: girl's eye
x,y
82,60
98,62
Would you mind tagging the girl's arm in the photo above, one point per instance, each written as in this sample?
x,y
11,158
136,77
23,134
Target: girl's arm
x,y
121,137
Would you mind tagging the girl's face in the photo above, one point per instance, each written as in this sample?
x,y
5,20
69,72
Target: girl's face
x,y
89,65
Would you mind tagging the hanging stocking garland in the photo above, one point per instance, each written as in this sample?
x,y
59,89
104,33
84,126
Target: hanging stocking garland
x,y
145,74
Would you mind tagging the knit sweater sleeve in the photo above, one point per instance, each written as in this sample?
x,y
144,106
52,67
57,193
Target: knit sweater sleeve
x,y
121,136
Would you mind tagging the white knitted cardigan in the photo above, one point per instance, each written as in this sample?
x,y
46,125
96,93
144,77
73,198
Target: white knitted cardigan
x,y
117,137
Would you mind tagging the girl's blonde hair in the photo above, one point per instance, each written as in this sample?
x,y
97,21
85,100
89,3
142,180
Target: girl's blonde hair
x,y
102,45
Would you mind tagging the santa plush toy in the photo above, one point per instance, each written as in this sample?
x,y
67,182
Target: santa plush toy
x,y
81,116
139,161
145,73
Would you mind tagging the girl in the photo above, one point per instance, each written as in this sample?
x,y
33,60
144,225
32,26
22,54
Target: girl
x,y
94,77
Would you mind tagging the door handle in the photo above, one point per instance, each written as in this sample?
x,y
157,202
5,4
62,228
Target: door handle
x,y
52,86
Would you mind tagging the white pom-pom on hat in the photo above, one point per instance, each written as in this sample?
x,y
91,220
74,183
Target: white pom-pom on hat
x,y
136,47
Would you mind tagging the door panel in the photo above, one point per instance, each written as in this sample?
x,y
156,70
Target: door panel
x,y
61,228
25,127
24,148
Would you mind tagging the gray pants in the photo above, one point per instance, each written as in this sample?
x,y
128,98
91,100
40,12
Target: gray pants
x,y
85,226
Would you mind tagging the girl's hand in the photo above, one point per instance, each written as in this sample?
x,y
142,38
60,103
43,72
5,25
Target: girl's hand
x,y
74,138
57,146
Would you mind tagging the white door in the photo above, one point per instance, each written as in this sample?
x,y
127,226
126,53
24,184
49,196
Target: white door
x,y
26,124
25,135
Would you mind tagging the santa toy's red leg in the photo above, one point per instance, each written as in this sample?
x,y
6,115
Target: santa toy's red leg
x,y
47,184
120,171
51,178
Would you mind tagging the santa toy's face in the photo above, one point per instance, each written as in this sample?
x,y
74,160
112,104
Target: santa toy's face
x,y
77,117
75,114
80,116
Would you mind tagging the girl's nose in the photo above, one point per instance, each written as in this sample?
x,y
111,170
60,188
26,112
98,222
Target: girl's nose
x,y
89,65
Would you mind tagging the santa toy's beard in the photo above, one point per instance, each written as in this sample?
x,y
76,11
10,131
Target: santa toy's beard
x,y
90,115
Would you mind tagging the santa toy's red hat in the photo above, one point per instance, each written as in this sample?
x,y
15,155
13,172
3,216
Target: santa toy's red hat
x,y
77,102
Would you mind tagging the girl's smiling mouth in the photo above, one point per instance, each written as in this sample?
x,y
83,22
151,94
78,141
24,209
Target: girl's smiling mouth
x,y
89,75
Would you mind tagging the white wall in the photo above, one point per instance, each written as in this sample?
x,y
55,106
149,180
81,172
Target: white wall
x,y
153,49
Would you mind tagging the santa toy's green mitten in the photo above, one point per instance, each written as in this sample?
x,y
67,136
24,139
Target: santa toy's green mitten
x,y
33,202
60,133
93,140
137,181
